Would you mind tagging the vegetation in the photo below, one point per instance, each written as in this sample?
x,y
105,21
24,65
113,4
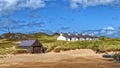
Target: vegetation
x,y
103,45
51,44
13,51
117,57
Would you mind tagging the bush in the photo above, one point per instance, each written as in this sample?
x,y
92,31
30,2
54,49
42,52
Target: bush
x,y
13,51
57,50
21,51
117,56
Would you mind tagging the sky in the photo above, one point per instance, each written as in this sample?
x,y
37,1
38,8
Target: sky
x,y
28,16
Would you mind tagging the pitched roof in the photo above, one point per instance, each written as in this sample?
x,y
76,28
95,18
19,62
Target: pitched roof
x,y
66,35
81,36
27,43
77,36
88,36
74,36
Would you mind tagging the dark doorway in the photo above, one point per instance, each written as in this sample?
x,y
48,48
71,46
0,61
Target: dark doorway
x,y
36,49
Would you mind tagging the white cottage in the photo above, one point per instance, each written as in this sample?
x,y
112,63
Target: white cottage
x,y
61,37
64,36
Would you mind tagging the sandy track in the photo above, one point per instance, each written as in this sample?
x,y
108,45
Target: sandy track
x,y
83,58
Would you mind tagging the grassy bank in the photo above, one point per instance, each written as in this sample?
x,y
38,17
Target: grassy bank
x,y
101,45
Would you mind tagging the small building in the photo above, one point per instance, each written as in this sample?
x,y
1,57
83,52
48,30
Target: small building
x,y
33,46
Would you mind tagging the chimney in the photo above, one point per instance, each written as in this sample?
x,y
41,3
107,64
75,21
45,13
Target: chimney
x,y
76,33
68,33
91,34
61,34
83,34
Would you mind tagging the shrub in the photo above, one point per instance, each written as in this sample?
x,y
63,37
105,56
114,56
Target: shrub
x,y
117,56
21,51
13,51
57,50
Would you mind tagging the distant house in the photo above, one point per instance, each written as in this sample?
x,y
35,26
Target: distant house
x,y
76,37
64,36
33,46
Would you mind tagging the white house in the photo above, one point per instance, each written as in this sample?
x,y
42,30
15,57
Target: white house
x,y
76,37
64,36
61,37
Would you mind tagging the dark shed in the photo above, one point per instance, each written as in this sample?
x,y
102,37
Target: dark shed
x,y
33,46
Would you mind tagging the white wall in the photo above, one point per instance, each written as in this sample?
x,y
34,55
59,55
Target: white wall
x,y
61,38
74,39
82,39
89,39
68,39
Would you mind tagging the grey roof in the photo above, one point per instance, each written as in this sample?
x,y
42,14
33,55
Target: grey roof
x,y
27,43
88,36
77,36
81,36
66,35
74,36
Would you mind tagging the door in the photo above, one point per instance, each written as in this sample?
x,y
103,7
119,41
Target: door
x,y
36,50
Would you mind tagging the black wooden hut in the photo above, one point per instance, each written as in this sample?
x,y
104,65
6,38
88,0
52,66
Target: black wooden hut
x,y
33,46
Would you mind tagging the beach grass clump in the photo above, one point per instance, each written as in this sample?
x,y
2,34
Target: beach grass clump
x,y
21,51
57,50
13,51
117,57
51,46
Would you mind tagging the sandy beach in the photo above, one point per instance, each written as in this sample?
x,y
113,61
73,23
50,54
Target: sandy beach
x,y
83,58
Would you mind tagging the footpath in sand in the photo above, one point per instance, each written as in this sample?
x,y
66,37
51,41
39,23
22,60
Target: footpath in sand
x,y
83,58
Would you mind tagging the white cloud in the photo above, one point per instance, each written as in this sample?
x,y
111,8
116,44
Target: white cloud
x,y
34,4
11,5
109,28
87,3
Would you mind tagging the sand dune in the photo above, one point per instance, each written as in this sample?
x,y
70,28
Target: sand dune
x,y
82,58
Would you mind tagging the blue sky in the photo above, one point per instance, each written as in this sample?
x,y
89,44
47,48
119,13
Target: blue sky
x,y
29,16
